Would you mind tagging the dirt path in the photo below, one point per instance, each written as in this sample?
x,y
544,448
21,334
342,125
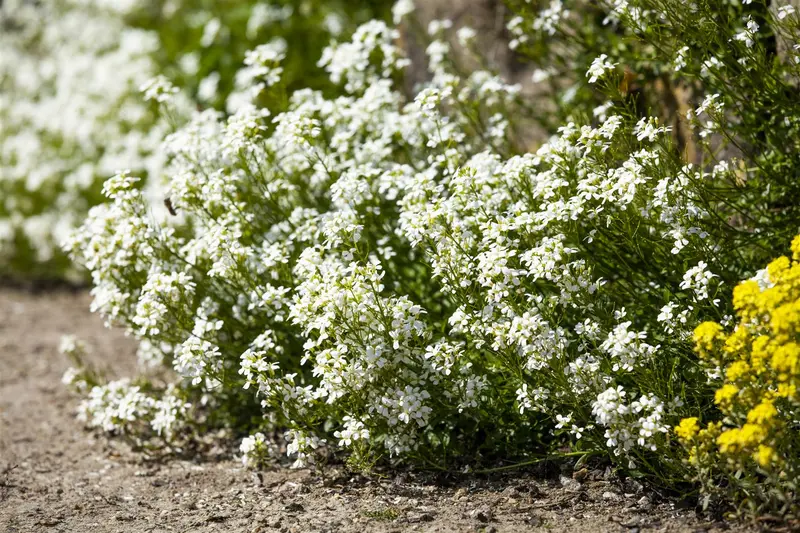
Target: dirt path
x,y
54,476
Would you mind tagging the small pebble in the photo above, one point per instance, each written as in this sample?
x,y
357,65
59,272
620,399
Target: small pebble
x,y
481,515
569,484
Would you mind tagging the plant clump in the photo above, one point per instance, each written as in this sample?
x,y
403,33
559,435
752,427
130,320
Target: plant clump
x,y
395,276
754,446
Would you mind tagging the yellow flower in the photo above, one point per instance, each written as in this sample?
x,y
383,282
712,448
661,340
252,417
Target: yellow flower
x,y
707,336
777,268
796,248
728,441
713,428
737,341
769,300
724,396
693,458
785,320
787,390
751,434
744,297
761,362
761,351
688,428
791,279
737,370
761,413
785,360
764,455
738,439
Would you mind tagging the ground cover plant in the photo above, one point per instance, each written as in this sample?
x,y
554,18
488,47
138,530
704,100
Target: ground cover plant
x,y
397,277
72,75
71,115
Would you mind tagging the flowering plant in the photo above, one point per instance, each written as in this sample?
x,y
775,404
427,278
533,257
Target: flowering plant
x,y
754,446
392,275
72,114
385,276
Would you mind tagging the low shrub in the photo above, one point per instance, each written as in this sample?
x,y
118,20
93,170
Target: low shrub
x,y
395,277
386,276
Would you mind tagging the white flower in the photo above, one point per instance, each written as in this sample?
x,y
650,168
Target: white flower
x,y
264,62
352,62
680,60
264,14
438,26
210,32
523,400
763,279
712,63
627,348
599,67
629,425
352,432
547,20
72,347
748,35
72,377
466,36
401,9
168,413
539,75
785,11
115,407
158,89
647,128
698,279
256,450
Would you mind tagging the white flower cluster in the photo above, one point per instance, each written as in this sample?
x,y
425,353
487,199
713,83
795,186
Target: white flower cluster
x,y
158,89
256,450
353,62
386,274
114,406
600,65
71,115
86,90
698,279
122,407
549,18
637,423
749,35
545,24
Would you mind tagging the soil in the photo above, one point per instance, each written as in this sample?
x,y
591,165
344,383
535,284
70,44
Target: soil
x,y
56,476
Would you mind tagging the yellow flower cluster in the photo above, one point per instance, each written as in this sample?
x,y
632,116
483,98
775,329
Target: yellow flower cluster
x,y
688,428
760,361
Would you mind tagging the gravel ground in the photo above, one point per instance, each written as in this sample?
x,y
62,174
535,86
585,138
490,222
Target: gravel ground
x,y
56,476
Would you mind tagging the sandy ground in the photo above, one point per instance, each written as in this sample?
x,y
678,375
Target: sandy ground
x,y
55,476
